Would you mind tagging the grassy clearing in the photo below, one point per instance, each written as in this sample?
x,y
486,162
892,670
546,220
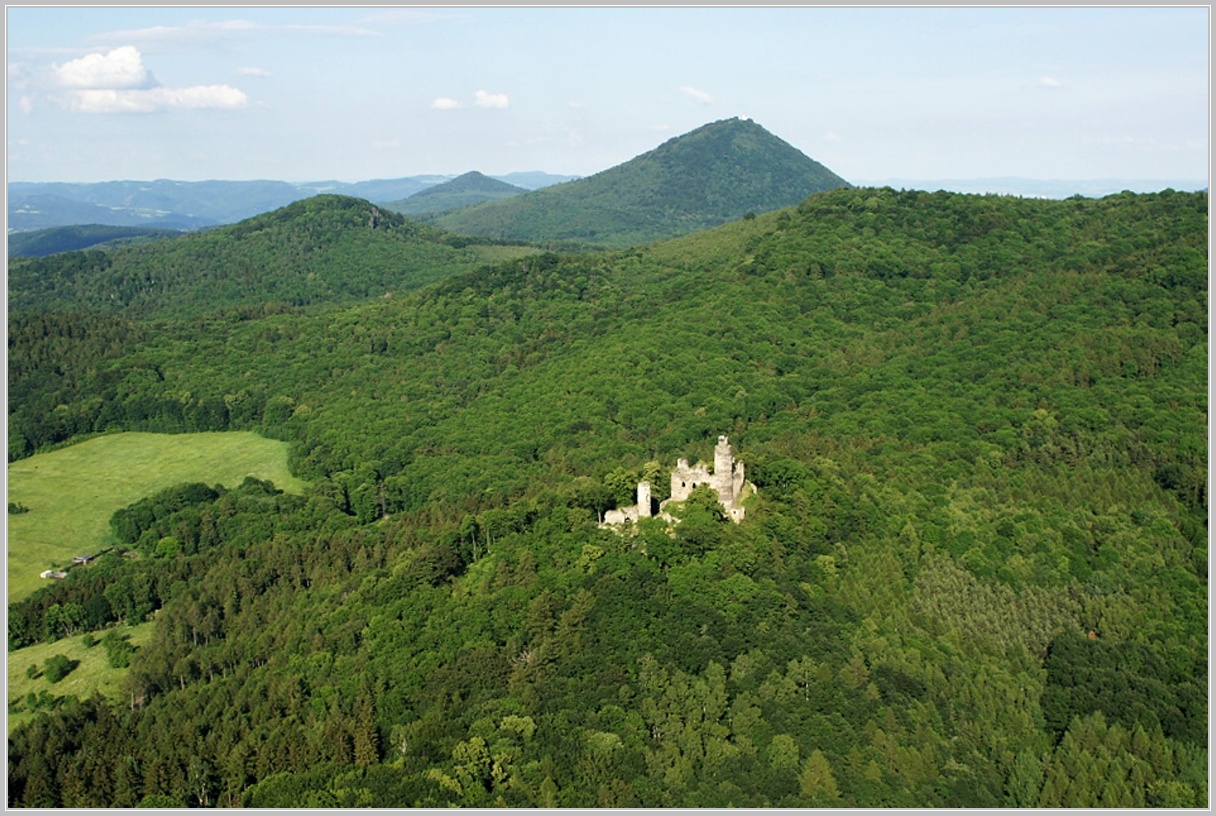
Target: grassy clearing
x,y
93,674
71,493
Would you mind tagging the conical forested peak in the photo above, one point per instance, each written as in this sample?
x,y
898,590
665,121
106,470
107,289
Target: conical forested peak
x,y
472,181
729,168
463,191
734,139
714,174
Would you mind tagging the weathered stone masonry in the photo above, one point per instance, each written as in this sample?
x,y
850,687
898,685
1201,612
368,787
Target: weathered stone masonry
x,y
727,480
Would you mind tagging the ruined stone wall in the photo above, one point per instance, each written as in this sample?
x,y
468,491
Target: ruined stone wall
x,y
685,478
727,480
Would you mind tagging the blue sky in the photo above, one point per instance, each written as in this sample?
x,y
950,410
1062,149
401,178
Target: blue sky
x,y
308,94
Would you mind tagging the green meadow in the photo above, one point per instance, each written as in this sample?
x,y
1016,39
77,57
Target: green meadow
x,y
92,674
71,493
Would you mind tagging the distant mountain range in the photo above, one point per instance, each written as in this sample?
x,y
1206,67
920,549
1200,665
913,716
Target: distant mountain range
x,y
185,205
717,173
53,240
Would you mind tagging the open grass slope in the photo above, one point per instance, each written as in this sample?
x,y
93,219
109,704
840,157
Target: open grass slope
x,y
93,673
71,493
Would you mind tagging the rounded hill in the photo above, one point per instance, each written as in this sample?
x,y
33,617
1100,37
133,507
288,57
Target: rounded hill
x,y
463,191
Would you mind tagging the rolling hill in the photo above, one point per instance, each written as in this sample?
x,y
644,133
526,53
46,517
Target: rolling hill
x,y
324,249
462,191
714,174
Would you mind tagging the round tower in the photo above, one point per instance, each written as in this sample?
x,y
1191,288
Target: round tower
x,y
724,467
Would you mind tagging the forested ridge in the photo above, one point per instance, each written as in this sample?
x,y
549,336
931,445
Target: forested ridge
x,y
322,250
37,243
975,573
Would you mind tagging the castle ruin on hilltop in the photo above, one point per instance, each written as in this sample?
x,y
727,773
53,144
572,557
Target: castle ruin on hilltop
x,y
726,479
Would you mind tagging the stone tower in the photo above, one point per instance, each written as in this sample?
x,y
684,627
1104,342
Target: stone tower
x,y
724,472
643,499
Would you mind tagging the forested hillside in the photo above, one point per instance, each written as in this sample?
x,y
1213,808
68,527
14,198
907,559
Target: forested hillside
x,y
974,575
717,173
322,250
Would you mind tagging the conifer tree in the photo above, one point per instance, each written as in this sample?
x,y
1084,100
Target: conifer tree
x,y
816,779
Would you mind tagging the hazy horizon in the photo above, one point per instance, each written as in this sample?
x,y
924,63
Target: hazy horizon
x,y
998,185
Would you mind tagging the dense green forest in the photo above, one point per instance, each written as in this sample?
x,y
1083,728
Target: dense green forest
x,y
974,575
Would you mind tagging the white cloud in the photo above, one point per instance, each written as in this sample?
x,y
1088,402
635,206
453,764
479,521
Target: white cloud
x,y
151,100
831,136
119,82
696,93
252,71
122,68
482,99
19,75
1049,82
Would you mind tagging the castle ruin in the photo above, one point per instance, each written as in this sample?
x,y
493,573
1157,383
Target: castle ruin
x,y
727,480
